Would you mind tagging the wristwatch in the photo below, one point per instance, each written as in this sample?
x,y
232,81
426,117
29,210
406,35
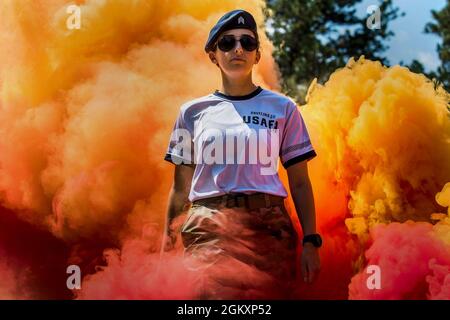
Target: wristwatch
x,y
314,238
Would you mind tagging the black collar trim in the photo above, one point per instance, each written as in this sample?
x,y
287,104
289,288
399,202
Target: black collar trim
x,y
246,97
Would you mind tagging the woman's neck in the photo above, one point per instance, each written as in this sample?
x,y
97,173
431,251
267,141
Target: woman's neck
x,y
239,87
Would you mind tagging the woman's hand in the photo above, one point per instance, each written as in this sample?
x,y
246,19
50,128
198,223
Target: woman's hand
x,y
178,199
169,241
310,262
302,195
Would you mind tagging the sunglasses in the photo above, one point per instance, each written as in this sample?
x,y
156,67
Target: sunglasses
x,y
228,42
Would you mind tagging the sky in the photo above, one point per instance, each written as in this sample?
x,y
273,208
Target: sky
x,y
410,42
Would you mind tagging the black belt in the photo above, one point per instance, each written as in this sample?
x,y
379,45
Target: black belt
x,y
250,201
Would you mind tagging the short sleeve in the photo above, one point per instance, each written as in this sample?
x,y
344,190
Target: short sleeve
x,y
296,145
180,149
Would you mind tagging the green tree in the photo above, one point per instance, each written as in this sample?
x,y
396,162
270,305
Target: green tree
x,y
313,38
441,27
417,67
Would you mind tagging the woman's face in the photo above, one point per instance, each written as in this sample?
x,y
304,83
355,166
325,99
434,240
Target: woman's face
x,y
237,62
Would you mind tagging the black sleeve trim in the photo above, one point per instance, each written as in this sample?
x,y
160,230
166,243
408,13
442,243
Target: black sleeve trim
x,y
168,157
306,156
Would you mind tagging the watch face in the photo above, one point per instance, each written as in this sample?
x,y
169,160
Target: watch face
x,y
318,240
315,239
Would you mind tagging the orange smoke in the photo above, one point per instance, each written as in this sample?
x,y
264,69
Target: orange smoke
x,y
85,114
85,117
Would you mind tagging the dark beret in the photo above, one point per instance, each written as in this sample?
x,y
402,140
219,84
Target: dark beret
x,y
236,19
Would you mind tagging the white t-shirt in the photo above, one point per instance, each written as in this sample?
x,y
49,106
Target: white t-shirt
x,y
231,138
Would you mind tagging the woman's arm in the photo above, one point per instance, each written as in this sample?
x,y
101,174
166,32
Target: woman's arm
x,y
302,194
178,200
301,190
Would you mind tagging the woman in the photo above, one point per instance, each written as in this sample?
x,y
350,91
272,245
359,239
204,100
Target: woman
x,y
237,231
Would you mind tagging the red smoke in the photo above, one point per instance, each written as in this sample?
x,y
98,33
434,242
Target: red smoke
x,y
412,259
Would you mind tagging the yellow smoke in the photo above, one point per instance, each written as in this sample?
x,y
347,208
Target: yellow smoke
x,y
383,134
442,228
383,139
85,114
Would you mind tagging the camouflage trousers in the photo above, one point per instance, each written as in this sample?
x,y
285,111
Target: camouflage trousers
x,y
240,253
